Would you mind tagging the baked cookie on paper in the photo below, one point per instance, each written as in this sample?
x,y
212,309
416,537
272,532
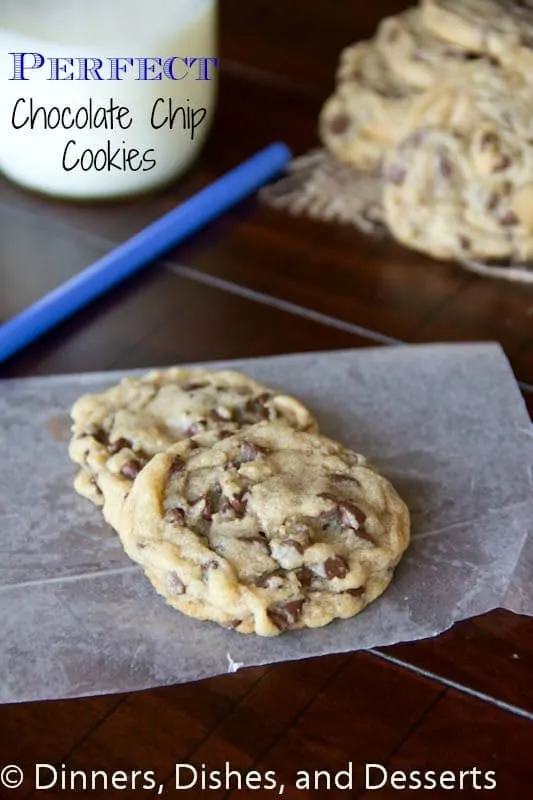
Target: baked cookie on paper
x,y
115,433
267,531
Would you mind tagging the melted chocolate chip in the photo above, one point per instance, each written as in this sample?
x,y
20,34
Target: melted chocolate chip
x,y
177,465
347,511
356,592
286,615
120,444
238,504
300,548
100,436
305,576
339,124
196,427
218,417
131,469
362,534
509,219
175,515
250,451
335,567
489,138
263,582
503,163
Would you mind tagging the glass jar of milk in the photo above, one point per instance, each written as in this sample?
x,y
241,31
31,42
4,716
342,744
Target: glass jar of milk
x,y
104,98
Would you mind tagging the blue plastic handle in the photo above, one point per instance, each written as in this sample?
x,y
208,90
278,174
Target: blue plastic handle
x,y
142,249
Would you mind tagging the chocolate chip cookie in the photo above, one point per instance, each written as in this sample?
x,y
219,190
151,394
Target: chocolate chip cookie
x,y
414,54
367,112
114,434
269,530
463,194
501,28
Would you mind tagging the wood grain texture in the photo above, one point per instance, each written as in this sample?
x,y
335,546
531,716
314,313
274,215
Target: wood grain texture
x,y
255,283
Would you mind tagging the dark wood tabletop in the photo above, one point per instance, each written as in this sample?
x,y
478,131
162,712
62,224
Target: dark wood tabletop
x,y
257,282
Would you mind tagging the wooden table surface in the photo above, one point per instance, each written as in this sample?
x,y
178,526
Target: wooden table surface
x,y
259,283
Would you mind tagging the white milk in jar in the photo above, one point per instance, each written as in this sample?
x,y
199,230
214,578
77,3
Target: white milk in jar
x,y
103,99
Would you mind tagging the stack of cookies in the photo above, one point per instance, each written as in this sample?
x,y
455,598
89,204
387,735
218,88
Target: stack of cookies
x,y
437,106
237,509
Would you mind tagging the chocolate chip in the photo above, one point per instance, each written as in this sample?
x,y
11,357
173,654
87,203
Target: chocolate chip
x,y
509,219
356,592
208,510
296,545
174,583
305,576
264,581
219,416
238,504
348,511
257,406
131,469
335,567
232,624
120,444
175,515
208,567
224,434
177,465
502,164
489,138
362,534
286,615
339,124
465,242
250,451
99,435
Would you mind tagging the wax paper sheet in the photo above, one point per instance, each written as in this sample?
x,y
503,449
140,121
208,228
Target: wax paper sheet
x,y
445,423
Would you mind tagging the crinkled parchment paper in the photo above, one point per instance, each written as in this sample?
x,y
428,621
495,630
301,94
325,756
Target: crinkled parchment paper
x,y
445,423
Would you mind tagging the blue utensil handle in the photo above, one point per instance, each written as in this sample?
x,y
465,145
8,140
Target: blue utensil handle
x,y
142,249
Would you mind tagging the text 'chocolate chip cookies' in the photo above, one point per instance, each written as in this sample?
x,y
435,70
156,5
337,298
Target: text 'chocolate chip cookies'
x,y
251,519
